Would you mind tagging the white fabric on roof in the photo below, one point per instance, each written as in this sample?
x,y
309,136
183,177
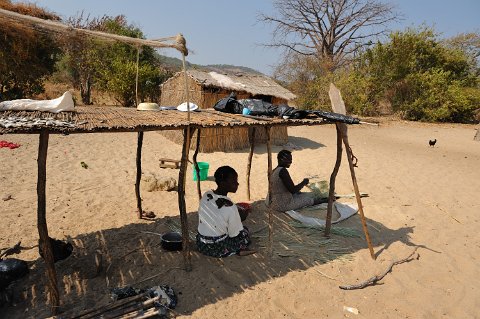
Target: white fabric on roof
x,y
63,103
226,81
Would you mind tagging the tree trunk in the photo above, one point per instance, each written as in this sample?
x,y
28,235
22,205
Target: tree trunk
x,y
86,91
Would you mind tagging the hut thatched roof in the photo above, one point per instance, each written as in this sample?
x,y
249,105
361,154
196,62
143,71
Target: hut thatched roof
x,y
93,119
255,84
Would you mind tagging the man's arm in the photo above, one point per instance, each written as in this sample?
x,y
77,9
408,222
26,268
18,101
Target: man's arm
x,y
287,181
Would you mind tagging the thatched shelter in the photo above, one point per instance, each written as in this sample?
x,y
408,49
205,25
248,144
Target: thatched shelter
x,y
113,119
207,87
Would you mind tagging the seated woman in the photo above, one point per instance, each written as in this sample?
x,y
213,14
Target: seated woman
x,y
220,229
284,194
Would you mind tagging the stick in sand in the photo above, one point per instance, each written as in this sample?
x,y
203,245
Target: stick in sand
x,y
373,280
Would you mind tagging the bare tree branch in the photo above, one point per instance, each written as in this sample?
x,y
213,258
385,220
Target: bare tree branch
x,y
328,29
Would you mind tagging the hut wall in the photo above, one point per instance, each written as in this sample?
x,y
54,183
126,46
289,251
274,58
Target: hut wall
x,y
227,139
279,135
173,92
213,139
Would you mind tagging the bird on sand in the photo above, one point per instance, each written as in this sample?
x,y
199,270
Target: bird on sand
x,y
432,142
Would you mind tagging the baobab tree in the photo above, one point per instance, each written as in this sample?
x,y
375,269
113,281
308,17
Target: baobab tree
x,y
329,30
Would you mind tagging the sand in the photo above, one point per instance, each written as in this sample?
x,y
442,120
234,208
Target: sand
x,y
419,196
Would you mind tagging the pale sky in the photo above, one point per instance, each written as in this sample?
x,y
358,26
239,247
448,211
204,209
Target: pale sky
x,y
227,31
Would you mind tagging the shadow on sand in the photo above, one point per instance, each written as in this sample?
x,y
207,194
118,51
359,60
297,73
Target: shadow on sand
x,y
132,255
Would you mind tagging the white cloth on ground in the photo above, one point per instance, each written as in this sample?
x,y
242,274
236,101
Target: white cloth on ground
x,y
61,104
214,221
345,211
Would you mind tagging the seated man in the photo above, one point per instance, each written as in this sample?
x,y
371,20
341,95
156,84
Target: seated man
x,y
284,194
220,229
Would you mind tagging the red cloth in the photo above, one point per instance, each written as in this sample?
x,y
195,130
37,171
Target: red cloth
x,y
10,145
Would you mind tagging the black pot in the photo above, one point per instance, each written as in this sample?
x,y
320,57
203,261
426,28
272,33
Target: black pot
x,y
172,241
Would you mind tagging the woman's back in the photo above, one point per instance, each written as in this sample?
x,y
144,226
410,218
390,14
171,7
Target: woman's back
x,y
218,216
280,196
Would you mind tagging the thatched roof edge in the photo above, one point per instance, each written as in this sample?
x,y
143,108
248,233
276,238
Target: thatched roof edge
x,y
95,119
254,84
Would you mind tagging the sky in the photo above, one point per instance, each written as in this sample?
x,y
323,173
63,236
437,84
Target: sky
x,y
228,31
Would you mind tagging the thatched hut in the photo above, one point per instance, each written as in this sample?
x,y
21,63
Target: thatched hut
x,y
206,88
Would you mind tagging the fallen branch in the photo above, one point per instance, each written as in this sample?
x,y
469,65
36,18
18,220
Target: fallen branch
x,y
373,280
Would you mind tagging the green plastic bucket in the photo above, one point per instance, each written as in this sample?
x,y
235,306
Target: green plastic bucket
x,y
203,167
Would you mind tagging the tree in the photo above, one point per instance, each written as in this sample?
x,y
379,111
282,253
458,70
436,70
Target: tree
x,y
79,56
27,56
117,65
302,75
111,67
420,77
469,43
329,30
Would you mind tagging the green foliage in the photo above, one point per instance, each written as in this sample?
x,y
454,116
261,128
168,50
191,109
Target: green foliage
x,y
468,43
418,76
308,78
359,97
112,67
119,79
117,66
437,98
27,57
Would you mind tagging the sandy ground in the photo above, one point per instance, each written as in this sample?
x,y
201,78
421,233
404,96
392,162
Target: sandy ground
x,y
419,196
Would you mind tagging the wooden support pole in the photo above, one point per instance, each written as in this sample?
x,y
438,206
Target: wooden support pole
x,y
338,106
357,194
187,99
181,199
197,168
136,76
182,175
333,176
45,242
139,175
251,139
270,210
